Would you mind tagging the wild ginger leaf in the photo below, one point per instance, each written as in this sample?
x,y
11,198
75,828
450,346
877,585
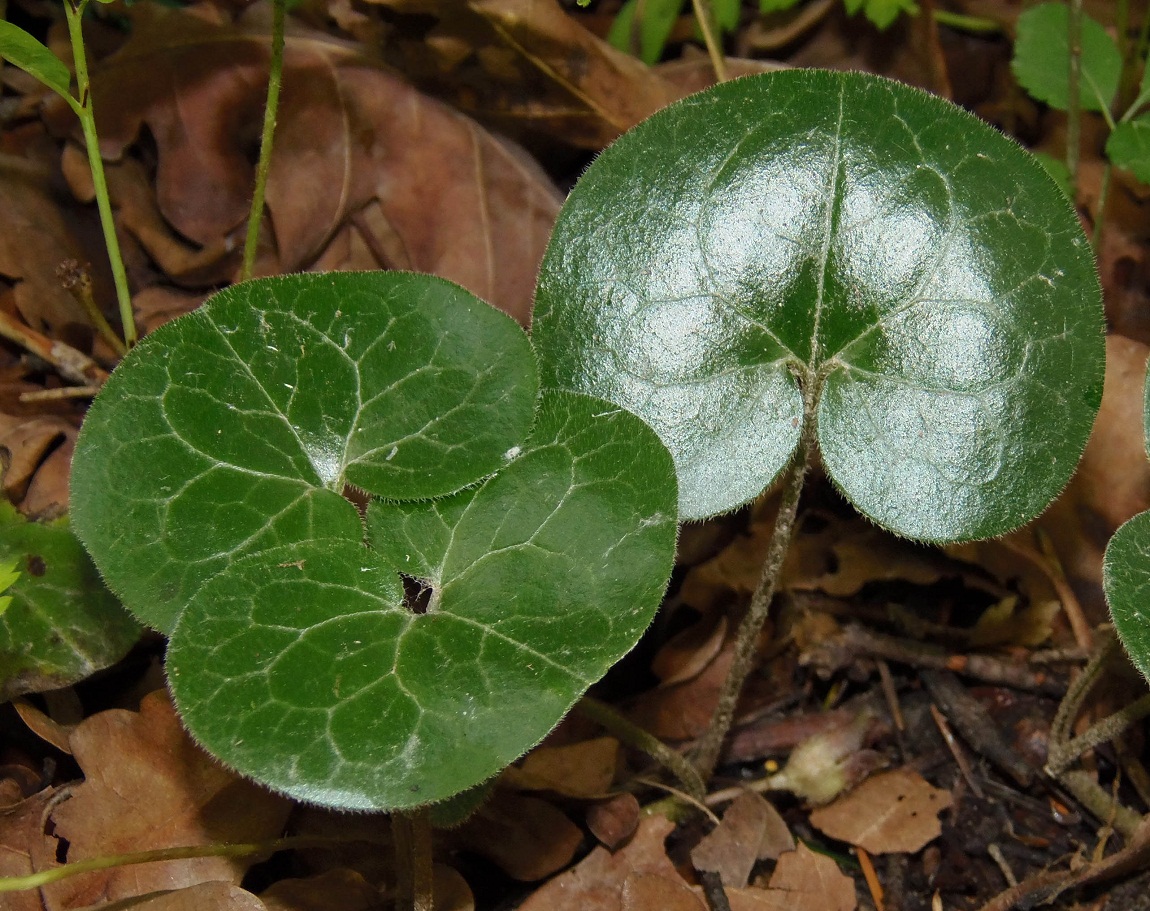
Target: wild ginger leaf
x,y
843,232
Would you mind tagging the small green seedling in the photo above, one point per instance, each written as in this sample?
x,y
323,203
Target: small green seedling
x,y
534,533
810,261
1126,576
1042,64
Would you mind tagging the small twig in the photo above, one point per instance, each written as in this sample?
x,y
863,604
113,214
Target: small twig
x,y
634,736
712,884
72,365
1074,96
705,16
871,876
999,858
976,726
275,78
59,394
672,809
955,750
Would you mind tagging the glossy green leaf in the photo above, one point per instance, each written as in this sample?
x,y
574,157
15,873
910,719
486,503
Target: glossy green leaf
x,y
1129,147
58,623
1056,168
22,50
236,428
301,667
858,236
1126,572
1042,58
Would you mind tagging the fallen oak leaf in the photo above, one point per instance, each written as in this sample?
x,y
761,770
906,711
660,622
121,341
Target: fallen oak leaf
x,y
749,825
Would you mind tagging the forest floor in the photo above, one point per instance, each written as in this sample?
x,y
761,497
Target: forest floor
x,y
931,676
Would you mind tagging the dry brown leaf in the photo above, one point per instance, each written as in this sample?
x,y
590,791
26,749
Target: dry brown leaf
x,y
340,888
524,65
682,711
652,892
45,727
451,198
450,890
584,769
896,811
686,654
148,786
806,881
614,820
749,824
22,841
528,838
597,882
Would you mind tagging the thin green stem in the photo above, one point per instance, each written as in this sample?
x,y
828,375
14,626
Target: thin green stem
x,y
82,105
1074,96
706,19
1100,212
976,25
413,864
634,736
56,874
710,745
275,79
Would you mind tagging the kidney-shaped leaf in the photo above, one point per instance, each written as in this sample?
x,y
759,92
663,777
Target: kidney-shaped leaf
x,y
1126,575
236,428
915,272
302,666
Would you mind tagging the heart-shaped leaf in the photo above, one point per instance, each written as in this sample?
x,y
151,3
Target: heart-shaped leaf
x,y
1042,58
58,624
236,428
844,238
207,483
302,667
1126,575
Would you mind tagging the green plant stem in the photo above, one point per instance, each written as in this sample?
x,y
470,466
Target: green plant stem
x,y
74,13
1074,96
271,108
710,745
705,16
634,736
1101,805
414,870
961,22
56,874
1105,730
1100,212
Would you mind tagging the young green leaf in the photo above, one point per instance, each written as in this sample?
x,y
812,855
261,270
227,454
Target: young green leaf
x,y
236,428
882,13
1042,58
22,50
58,623
1126,573
301,666
841,233
1129,147
654,27
207,482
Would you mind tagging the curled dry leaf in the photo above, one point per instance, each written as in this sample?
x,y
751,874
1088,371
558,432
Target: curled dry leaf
x,y
583,770
147,786
614,820
454,200
896,811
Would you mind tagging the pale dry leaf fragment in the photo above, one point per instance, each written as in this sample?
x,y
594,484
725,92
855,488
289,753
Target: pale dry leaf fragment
x,y
732,848
148,786
596,883
652,892
583,770
686,654
807,881
24,848
216,896
896,811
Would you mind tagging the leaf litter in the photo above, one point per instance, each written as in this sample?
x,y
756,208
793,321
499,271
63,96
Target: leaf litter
x,y
396,178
